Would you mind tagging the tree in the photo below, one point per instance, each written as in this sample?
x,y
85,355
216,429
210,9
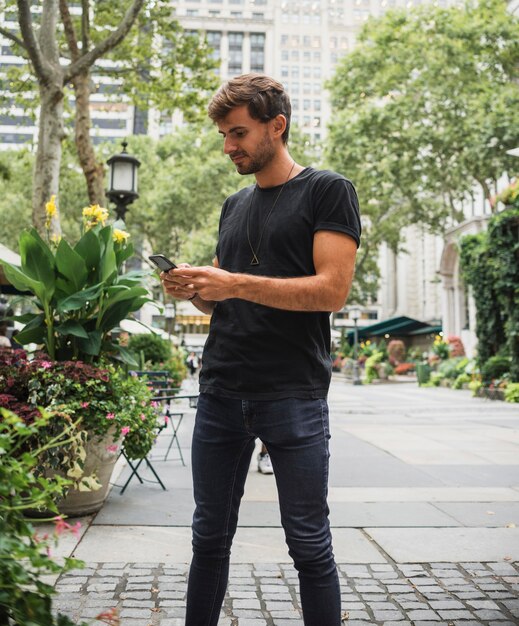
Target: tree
x,y
158,63
424,109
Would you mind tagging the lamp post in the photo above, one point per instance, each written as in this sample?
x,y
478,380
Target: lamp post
x,y
169,314
122,188
355,316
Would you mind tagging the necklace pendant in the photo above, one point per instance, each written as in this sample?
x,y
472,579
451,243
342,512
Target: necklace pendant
x,y
255,260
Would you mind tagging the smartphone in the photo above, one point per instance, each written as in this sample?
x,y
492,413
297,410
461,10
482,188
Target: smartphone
x,y
162,262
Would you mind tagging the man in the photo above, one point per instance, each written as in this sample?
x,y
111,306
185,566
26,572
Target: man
x,y
284,261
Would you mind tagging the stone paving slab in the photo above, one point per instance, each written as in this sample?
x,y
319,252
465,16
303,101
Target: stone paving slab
x,y
173,545
266,594
447,544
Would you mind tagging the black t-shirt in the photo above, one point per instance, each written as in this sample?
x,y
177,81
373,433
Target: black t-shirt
x,y
255,352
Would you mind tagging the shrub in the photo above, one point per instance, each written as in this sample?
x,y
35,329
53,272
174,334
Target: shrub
x,y
371,366
495,368
461,380
404,368
396,351
25,598
449,368
436,378
153,348
474,386
456,347
440,347
512,392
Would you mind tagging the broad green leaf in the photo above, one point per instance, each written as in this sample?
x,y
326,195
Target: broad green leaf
x,y
122,354
91,345
71,265
116,313
79,299
123,254
33,332
89,248
108,262
125,294
72,327
37,260
23,282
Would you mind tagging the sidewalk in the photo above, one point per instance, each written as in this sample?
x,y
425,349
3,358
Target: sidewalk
x,y
424,499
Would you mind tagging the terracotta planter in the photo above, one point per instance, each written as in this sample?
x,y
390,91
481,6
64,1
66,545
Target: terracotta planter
x,y
101,462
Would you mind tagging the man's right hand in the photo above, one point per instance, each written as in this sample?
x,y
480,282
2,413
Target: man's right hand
x,y
176,286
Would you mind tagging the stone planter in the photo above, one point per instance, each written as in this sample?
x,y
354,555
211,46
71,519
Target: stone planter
x,y
490,394
101,462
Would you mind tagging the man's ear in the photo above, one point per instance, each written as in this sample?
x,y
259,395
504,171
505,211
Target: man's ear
x,y
279,123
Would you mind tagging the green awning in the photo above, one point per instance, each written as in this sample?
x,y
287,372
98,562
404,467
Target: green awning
x,y
399,326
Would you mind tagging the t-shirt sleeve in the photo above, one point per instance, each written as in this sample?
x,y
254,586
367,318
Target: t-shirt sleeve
x,y
337,209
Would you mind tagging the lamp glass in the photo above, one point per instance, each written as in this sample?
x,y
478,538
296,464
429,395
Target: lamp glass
x,y
169,311
123,176
355,313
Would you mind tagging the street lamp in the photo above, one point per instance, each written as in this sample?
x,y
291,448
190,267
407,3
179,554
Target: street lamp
x,y
122,189
355,316
169,314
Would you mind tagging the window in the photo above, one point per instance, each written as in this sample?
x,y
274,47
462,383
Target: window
x,y
295,104
13,120
307,105
191,12
213,41
317,105
258,16
213,13
307,41
317,57
108,123
294,72
295,55
15,138
257,52
307,71
235,52
236,13
307,56
307,88
284,71
284,55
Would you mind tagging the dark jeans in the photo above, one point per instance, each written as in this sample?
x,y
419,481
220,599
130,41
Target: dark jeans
x,y
296,434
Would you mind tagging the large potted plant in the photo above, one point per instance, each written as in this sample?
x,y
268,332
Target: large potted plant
x,y
81,294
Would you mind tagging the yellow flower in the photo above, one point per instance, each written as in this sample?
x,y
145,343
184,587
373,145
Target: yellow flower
x,y
120,236
95,214
368,342
55,238
50,207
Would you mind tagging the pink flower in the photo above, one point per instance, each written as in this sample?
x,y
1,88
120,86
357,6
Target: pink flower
x,y
165,419
154,404
142,416
112,448
125,430
110,416
46,365
84,405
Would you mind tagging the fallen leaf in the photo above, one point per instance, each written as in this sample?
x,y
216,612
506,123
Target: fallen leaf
x,y
508,558
511,525
490,513
345,616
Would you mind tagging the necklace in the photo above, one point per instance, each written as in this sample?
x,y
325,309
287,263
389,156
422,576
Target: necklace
x,y
255,251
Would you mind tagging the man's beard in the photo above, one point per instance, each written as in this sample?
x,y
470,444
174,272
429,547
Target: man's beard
x,y
262,156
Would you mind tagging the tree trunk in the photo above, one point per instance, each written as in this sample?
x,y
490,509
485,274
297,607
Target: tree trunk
x,y
92,169
48,157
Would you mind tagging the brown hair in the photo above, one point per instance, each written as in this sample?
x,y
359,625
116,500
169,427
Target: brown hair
x,y
264,97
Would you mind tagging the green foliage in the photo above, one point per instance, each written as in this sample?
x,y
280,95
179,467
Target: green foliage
x,y
98,400
440,348
489,266
371,369
424,108
475,386
24,557
494,368
81,292
460,380
450,367
436,378
175,365
153,348
512,392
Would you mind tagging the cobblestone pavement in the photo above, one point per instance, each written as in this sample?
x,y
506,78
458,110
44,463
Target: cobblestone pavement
x,y
431,594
